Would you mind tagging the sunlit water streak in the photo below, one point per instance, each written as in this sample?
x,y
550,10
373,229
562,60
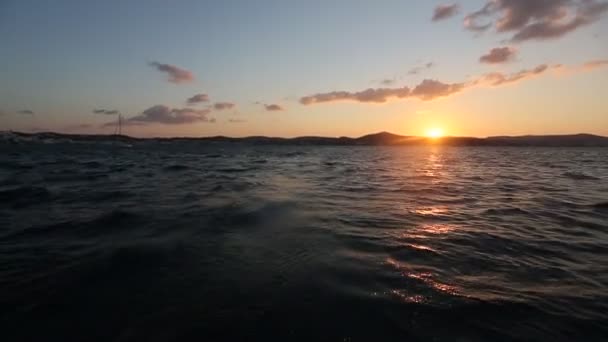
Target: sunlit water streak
x,y
165,241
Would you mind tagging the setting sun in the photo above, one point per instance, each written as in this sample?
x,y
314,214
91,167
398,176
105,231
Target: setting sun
x,y
434,133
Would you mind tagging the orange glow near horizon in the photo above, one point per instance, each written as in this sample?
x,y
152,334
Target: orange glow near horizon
x,y
434,133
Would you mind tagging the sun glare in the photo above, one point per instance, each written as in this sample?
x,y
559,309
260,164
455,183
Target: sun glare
x,y
434,133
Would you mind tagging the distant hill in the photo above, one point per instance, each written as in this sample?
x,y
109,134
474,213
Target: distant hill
x,y
377,139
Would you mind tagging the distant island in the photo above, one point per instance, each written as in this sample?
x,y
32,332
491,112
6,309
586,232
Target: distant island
x,y
377,139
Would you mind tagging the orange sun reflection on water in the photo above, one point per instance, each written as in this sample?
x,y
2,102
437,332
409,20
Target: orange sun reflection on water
x,y
425,277
431,211
432,168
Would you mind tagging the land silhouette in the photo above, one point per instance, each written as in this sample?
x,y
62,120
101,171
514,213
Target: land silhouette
x,y
376,139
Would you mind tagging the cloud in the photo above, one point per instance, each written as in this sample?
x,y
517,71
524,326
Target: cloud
x,y
499,55
371,95
429,90
599,63
535,19
445,11
388,81
419,69
105,111
198,98
161,114
236,120
223,105
176,75
585,67
26,112
432,89
498,78
426,90
273,107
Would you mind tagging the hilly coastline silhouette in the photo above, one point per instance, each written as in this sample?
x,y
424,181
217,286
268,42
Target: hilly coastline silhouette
x,y
376,139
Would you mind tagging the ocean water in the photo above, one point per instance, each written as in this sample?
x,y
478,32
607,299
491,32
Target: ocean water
x,y
181,241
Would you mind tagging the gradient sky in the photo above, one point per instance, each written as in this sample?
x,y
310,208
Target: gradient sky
x,y
60,60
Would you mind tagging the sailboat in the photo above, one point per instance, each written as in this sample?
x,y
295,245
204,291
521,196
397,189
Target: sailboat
x,y
118,128
118,133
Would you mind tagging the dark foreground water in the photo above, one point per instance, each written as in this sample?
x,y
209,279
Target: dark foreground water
x,y
181,241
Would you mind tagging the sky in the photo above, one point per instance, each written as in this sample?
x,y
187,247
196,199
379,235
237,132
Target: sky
x,y
298,68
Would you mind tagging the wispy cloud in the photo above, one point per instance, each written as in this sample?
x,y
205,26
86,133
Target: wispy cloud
x,y
371,95
498,78
161,114
175,74
535,19
599,63
236,121
273,107
223,105
445,11
198,98
26,112
105,111
418,69
499,55
429,90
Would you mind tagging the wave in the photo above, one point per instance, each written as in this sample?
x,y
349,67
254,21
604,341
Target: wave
x,y
100,226
176,167
25,195
505,211
235,169
601,205
579,176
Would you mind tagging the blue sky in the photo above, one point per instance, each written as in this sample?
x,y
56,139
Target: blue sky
x,y
62,59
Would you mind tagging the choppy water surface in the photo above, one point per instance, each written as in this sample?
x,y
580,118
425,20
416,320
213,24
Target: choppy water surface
x,y
183,241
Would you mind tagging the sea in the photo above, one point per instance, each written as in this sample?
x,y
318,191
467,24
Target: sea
x,y
169,240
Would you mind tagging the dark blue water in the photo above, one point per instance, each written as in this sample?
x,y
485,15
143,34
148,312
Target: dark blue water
x,y
187,241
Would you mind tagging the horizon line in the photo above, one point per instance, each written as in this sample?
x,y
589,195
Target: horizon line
x,y
310,136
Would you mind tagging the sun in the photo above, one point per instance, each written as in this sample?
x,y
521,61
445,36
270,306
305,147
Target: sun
x,y
434,133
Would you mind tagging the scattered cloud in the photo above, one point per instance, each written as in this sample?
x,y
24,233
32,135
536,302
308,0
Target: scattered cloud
x,y
499,78
371,95
26,112
105,111
223,105
420,68
432,89
499,55
388,81
429,90
236,120
161,114
176,75
599,63
273,107
585,67
535,19
445,11
198,98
